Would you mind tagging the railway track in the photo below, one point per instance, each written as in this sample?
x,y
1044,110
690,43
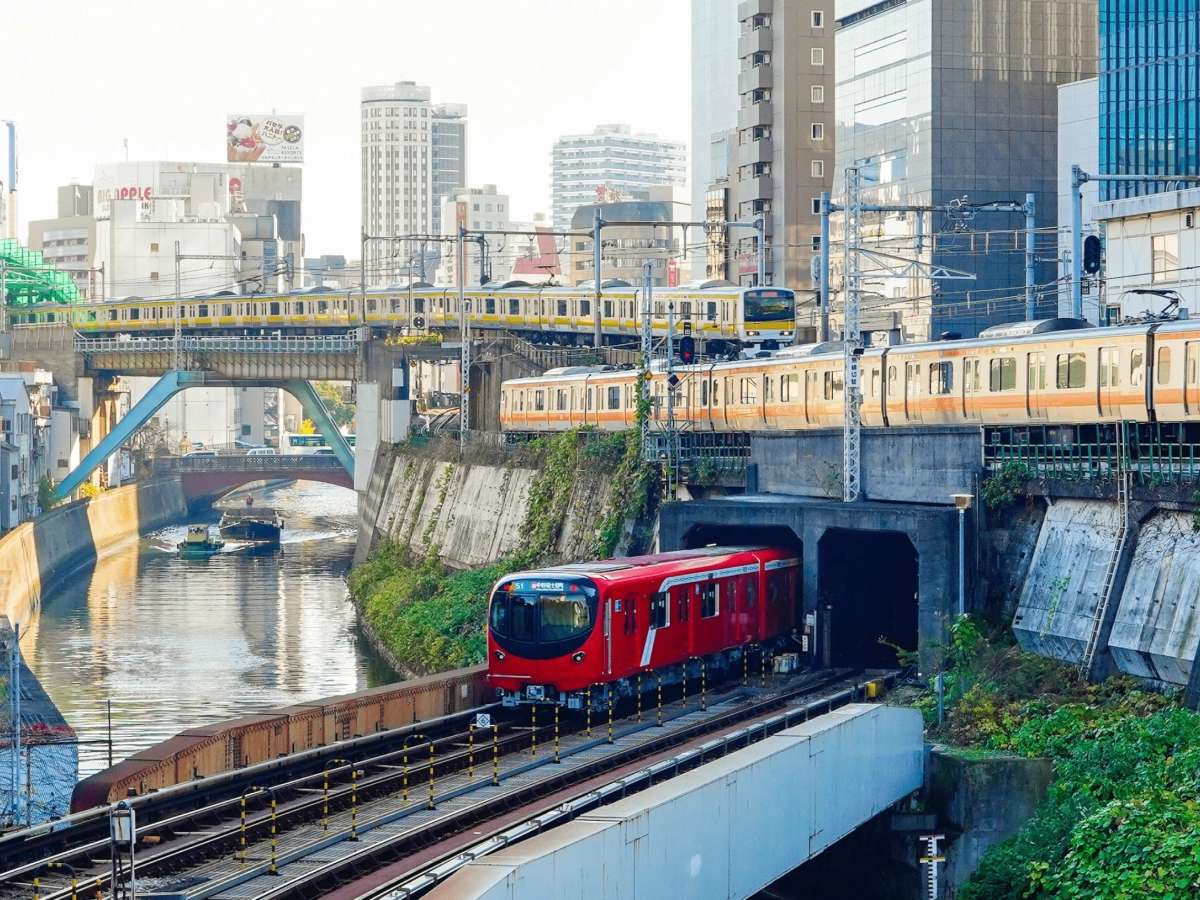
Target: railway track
x,y
395,805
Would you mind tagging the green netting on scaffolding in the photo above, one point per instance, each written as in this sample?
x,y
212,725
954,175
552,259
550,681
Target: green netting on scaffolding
x,y
30,279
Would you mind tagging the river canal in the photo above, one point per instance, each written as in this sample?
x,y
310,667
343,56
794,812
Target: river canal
x,y
179,643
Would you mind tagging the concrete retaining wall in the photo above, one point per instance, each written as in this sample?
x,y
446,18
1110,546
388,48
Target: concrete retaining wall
x,y
1066,576
910,465
36,556
475,513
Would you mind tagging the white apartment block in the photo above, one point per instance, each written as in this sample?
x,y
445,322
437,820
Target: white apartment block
x,y
611,163
478,209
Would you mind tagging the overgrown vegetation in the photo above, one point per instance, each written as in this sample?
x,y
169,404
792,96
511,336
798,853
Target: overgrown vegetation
x,y
431,616
1121,818
45,494
1001,489
334,399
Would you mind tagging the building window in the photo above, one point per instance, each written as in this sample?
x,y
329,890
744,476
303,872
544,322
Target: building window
x,y
818,56
818,168
818,19
818,93
1165,263
816,242
816,206
154,248
154,276
818,131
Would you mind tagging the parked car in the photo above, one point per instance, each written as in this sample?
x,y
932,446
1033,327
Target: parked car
x,y
262,451
201,453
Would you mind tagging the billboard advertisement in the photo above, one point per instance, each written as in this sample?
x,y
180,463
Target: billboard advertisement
x,y
264,138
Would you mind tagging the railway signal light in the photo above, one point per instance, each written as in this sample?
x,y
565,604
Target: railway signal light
x,y
687,348
1091,254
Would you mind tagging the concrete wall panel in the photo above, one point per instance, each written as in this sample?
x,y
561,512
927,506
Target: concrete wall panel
x,y
1066,577
1157,629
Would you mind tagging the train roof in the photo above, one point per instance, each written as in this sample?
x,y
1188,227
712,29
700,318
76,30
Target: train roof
x,y
606,569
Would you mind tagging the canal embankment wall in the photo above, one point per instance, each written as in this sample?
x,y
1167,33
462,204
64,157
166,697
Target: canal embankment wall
x,y
473,512
37,556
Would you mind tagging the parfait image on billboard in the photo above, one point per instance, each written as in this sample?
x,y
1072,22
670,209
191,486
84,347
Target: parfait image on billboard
x,y
264,138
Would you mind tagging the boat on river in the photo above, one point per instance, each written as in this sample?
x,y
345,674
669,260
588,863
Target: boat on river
x,y
199,544
256,525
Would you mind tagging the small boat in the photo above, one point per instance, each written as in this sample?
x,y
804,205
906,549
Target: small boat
x,y
258,525
199,543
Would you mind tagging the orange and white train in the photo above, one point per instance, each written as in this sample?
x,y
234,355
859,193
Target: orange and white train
x,y
1052,371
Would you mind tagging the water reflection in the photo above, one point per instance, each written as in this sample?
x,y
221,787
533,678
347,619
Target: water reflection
x,y
179,643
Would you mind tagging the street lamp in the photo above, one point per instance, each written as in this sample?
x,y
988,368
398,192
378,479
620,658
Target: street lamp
x,y
962,503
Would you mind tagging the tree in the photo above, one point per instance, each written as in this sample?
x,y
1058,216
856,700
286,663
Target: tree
x,y
340,411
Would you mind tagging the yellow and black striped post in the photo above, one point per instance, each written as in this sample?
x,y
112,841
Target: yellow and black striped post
x,y
533,730
745,665
495,754
610,713
325,802
471,751
588,711
63,867
99,889
431,776
659,699
639,702
353,804
762,662
683,680
36,883
273,870
556,759
703,685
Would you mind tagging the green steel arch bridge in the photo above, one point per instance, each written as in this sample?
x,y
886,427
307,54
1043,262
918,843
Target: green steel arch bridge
x,y
28,279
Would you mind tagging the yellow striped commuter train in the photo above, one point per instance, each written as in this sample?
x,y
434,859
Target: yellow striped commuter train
x,y
1052,371
724,315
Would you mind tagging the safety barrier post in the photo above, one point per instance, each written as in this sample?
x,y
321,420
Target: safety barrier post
x,y
495,754
274,870
683,680
533,730
639,700
431,804
610,713
762,663
242,827
353,804
99,889
660,699
325,803
588,711
556,759
745,665
703,685
471,751
36,882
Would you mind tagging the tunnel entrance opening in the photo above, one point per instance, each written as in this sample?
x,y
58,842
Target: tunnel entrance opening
x,y
867,595
752,536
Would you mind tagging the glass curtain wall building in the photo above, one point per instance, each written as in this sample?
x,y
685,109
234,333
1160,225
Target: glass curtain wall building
x,y
1149,85
938,100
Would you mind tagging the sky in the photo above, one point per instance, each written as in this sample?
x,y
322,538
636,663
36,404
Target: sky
x,y
79,78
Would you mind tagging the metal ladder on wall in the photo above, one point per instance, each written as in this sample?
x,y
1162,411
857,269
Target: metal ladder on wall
x,y
1114,560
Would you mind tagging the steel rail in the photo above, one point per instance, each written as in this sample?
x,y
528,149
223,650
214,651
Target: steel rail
x,y
456,821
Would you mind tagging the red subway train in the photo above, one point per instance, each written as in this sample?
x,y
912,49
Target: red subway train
x,y
554,633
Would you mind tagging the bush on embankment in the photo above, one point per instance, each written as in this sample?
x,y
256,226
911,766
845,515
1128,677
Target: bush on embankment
x,y
1122,818
432,617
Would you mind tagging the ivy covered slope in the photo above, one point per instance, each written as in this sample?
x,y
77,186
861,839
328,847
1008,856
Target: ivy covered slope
x,y
1122,820
432,616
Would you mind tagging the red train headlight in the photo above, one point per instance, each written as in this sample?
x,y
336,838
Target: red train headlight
x,y
578,657
499,655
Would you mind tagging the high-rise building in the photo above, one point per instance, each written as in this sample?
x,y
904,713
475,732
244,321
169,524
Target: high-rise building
x,y
714,97
68,241
612,161
1149,78
411,152
8,179
784,148
478,209
449,148
941,99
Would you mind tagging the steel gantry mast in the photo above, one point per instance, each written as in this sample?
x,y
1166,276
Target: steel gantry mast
x,y
852,338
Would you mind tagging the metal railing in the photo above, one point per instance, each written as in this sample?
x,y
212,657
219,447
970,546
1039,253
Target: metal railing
x,y
187,465
1152,453
347,343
